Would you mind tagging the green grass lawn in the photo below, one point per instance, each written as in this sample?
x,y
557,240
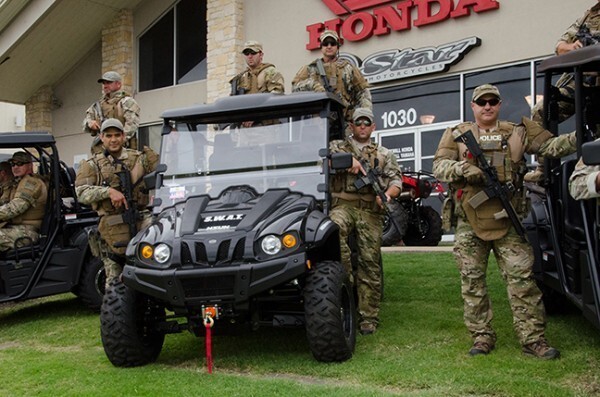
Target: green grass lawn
x,y
52,347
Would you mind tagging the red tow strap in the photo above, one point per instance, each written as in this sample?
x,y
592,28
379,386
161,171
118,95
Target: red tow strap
x,y
208,323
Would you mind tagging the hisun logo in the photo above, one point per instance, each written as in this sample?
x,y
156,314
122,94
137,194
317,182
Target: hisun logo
x,y
390,15
223,218
399,64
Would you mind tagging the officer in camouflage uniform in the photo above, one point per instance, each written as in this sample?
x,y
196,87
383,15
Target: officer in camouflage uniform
x,y
361,211
566,84
22,215
584,182
258,76
343,78
115,103
7,182
98,185
482,226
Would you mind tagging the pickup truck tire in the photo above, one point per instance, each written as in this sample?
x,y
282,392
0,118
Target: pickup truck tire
x,y
330,312
128,326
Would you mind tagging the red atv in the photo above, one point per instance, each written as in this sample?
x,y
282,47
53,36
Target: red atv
x,y
420,224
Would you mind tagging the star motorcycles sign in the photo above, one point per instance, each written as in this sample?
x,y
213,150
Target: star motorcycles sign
x,y
358,24
399,64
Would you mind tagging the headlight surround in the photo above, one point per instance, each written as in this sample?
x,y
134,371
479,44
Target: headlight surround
x,y
271,245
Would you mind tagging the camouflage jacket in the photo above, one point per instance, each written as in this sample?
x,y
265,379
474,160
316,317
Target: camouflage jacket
x,y
527,137
119,105
96,175
591,19
582,183
265,78
27,202
342,183
344,79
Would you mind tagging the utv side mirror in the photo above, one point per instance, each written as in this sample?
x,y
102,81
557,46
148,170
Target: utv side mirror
x,y
590,152
150,179
341,161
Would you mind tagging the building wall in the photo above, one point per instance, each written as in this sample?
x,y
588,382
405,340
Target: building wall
x,y
518,30
12,117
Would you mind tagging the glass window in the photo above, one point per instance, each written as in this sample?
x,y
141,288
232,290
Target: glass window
x,y
173,50
419,103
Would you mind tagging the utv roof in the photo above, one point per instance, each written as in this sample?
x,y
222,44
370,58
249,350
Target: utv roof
x,y
588,58
17,139
258,105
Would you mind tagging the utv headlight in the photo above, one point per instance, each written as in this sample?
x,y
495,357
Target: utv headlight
x,y
162,253
271,245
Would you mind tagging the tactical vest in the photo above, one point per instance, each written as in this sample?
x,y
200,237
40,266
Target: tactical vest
x,y
111,107
253,81
342,185
107,169
503,150
31,188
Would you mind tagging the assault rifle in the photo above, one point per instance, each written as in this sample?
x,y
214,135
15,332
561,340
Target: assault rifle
x,y
493,186
323,74
130,214
585,37
372,178
235,90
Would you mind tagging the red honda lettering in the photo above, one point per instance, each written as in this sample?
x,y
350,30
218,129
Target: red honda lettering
x,y
425,11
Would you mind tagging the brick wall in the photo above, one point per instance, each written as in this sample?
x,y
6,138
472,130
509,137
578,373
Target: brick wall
x,y
225,20
38,110
117,47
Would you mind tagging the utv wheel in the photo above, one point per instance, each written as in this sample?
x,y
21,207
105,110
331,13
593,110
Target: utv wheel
x,y
431,229
92,283
330,312
390,235
128,326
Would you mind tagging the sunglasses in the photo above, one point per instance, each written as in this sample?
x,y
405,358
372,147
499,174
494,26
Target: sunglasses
x,y
16,163
483,102
249,52
366,123
328,43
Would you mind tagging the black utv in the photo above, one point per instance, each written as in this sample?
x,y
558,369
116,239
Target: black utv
x,y
564,232
240,230
60,261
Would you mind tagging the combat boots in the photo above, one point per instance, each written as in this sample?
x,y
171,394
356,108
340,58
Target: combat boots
x,y
541,349
481,347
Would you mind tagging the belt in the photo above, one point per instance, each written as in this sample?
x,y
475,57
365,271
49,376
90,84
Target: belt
x,y
360,204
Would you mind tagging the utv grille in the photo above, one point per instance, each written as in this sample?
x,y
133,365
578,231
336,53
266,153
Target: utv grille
x,y
211,286
215,255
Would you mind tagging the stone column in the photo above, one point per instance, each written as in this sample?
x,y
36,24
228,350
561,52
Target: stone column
x,y
225,20
38,110
117,47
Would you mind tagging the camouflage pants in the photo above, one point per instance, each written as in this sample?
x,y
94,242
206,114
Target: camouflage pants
x,y
113,262
10,234
368,227
515,260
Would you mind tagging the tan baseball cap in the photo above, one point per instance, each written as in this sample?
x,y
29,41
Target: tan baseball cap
x,y
365,113
329,33
253,46
485,89
22,157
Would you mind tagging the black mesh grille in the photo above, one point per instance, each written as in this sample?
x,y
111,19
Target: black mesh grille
x,y
238,252
186,255
201,253
223,253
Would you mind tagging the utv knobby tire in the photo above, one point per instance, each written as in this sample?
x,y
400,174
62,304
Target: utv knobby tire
x,y
128,326
330,312
391,236
92,283
431,225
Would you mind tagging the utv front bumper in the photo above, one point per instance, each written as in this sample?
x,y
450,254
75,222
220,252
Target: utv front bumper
x,y
198,285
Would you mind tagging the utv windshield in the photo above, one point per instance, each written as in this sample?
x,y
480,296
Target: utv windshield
x,y
208,158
